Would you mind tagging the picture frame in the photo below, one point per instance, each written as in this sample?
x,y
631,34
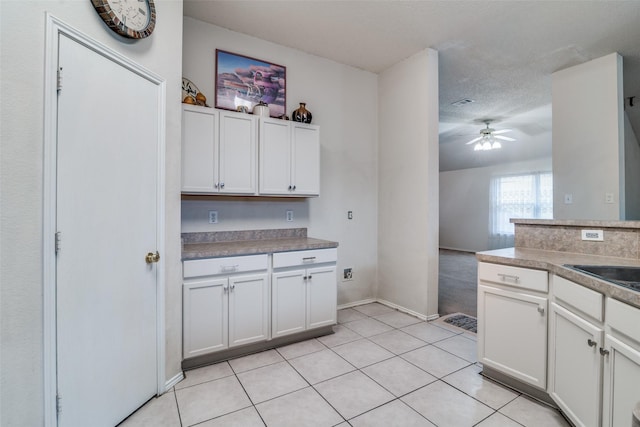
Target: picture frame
x,y
242,81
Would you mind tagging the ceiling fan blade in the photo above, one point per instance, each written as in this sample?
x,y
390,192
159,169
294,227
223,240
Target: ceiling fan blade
x,y
504,138
497,132
474,140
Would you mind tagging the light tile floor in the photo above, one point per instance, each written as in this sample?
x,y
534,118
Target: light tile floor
x,y
380,368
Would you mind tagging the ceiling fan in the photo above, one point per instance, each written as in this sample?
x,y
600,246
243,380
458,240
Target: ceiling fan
x,y
488,139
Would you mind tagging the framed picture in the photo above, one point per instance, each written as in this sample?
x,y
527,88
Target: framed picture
x,y
244,81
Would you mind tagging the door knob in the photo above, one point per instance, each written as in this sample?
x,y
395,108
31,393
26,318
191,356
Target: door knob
x,y
151,257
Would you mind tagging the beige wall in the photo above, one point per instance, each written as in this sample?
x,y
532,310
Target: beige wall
x,y
408,184
22,26
343,101
588,139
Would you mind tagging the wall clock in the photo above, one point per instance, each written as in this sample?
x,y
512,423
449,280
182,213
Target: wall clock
x,y
134,19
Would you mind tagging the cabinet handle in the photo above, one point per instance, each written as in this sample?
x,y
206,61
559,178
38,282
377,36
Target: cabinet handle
x,y
294,188
225,288
506,277
290,188
591,343
222,185
309,277
540,310
216,185
604,352
233,286
229,268
308,259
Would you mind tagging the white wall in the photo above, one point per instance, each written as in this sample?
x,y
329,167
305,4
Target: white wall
x,y
465,203
22,26
588,138
343,101
632,172
408,181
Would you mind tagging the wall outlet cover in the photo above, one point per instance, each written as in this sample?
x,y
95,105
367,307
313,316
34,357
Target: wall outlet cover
x,y
289,216
593,235
213,217
347,274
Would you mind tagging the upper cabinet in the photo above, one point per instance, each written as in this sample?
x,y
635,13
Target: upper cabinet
x,y
220,154
289,158
219,151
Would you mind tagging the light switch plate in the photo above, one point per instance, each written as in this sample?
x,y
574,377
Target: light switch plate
x,y
593,235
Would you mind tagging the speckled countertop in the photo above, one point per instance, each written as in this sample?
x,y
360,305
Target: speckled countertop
x,y
554,262
249,242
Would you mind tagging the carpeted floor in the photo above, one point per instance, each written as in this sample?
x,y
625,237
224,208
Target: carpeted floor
x,y
457,283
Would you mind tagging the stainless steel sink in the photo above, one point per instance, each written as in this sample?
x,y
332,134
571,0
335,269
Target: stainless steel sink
x,y
629,277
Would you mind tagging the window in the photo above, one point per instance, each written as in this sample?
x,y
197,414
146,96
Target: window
x,y
518,196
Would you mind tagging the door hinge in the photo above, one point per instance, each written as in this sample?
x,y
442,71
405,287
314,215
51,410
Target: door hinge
x,y
59,80
58,403
58,238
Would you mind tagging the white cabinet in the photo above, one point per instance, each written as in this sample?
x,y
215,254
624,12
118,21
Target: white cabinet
x,y
224,305
575,363
289,158
512,321
621,363
219,151
304,290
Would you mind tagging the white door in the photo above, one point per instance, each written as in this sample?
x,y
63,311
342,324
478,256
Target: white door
x,y
289,302
576,365
322,297
248,309
107,189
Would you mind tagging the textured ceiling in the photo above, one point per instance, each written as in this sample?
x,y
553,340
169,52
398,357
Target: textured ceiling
x,y
499,53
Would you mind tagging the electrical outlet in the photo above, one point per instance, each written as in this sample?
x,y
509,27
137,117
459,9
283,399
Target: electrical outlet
x,y
289,216
350,215
608,197
213,217
347,274
593,235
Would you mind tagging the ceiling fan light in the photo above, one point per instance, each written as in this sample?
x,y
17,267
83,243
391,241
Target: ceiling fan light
x,y
486,145
477,147
496,145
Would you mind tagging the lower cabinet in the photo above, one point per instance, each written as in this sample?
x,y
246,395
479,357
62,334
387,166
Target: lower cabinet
x,y
304,291
621,364
514,334
576,366
223,306
223,313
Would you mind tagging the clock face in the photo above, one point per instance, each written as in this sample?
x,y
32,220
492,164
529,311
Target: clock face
x,y
130,18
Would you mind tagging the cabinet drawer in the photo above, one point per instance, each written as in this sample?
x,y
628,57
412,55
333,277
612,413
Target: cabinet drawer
x,y
524,278
624,319
315,256
586,300
226,265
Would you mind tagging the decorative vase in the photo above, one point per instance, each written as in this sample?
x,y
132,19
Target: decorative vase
x,y
301,114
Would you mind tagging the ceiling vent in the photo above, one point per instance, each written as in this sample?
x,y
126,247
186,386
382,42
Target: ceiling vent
x,y
463,102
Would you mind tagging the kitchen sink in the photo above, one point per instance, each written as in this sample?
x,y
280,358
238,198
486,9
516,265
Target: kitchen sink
x,y
629,277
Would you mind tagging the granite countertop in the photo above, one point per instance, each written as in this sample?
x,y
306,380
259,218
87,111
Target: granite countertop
x,y
554,263
249,242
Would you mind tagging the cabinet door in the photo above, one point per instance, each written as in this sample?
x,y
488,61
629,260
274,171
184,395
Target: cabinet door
x,y
205,308
199,149
512,334
275,157
321,296
237,165
289,303
621,382
575,366
248,309
305,174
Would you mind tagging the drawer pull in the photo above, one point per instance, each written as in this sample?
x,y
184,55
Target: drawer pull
x,y
229,268
308,259
603,352
591,343
541,310
506,277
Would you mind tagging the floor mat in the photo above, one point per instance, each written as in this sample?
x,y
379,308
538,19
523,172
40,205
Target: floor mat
x,y
463,321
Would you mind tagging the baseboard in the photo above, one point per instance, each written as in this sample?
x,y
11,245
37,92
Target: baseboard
x,y
173,381
390,305
356,303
